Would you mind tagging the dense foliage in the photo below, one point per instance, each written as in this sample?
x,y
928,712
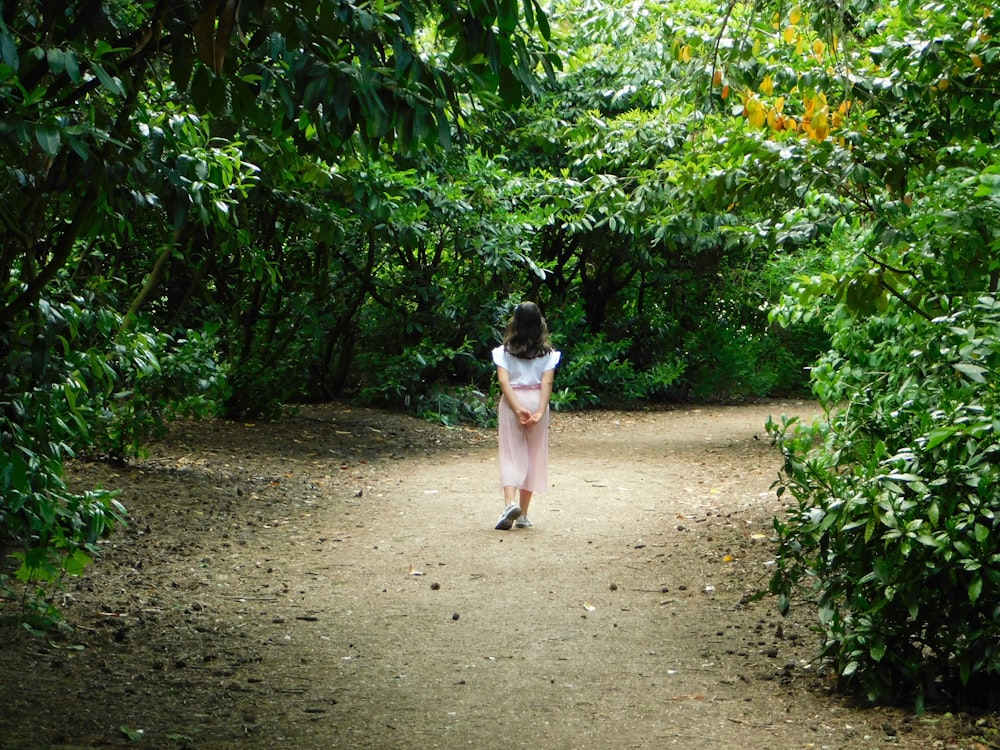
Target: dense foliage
x,y
178,192
893,525
227,207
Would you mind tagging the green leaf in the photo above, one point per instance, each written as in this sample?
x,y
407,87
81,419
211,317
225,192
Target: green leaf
x,y
48,138
877,650
111,84
543,22
201,89
510,87
982,533
784,604
56,59
937,436
870,528
77,562
507,16
989,185
133,734
973,372
72,66
529,13
975,589
8,47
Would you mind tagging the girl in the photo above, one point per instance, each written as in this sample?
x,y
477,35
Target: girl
x,y
526,364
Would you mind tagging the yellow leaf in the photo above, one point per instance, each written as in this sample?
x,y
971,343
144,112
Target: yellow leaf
x,y
779,105
686,53
776,21
727,558
820,128
795,16
789,34
818,49
767,85
756,47
977,60
755,113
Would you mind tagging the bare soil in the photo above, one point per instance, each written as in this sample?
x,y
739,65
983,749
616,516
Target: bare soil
x,y
333,580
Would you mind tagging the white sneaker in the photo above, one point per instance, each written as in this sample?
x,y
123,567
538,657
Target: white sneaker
x,y
510,513
524,523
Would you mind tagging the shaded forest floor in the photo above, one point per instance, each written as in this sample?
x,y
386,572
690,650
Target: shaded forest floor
x,y
333,580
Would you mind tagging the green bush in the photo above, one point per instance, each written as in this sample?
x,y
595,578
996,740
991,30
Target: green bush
x,y
598,370
76,382
409,378
894,531
49,530
453,406
157,377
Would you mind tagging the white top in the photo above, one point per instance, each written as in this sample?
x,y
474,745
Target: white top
x,y
526,373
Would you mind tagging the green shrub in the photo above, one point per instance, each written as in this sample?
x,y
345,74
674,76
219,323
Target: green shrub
x,y
75,382
49,530
409,377
598,369
453,406
894,531
156,378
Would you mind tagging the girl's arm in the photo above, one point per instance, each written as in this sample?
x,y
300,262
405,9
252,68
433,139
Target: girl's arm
x,y
503,375
548,377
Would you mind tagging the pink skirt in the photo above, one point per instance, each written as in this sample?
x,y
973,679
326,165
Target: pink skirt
x,y
524,451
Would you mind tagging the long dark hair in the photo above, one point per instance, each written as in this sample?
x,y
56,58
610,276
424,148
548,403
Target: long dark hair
x,y
527,334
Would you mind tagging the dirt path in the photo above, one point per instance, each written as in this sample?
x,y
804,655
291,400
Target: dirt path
x,y
333,581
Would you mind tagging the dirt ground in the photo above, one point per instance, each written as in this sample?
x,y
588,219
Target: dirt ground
x,y
333,580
